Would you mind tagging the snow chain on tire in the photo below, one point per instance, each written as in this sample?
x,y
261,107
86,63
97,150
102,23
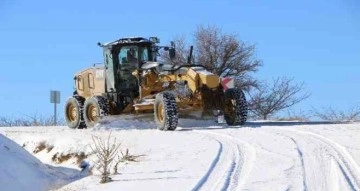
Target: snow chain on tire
x,y
81,101
170,115
240,108
78,103
102,106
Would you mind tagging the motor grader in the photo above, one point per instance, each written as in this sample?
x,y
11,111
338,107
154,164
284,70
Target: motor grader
x,y
133,81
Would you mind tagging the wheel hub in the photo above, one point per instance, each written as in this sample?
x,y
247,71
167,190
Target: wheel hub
x,y
160,112
72,113
92,113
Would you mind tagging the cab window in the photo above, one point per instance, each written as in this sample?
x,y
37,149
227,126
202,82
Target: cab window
x,y
128,54
144,53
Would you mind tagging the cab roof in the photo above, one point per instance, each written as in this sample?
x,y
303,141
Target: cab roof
x,y
128,40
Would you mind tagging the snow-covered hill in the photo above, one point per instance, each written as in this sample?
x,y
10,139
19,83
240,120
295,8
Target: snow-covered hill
x,y
203,155
19,170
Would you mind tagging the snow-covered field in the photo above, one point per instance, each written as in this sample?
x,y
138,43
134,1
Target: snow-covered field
x,y
199,155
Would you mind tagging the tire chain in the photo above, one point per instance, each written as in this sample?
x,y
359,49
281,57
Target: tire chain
x,y
171,111
103,105
80,102
241,108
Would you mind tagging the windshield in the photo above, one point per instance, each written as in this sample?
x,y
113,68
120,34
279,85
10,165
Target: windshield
x,y
128,54
132,54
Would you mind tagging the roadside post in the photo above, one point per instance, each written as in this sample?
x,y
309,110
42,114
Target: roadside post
x,y
55,99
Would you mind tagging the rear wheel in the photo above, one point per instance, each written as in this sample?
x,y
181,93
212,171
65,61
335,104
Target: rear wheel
x,y
74,112
235,108
94,108
165,111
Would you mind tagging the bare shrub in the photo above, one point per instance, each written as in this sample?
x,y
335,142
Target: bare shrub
x,y
5,122
334,115
29,120
295,116
125,157
105,151
271,98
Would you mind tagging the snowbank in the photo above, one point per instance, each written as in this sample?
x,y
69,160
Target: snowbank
x,y
19,170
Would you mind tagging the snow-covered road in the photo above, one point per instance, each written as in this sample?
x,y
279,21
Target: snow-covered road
x,y
203,155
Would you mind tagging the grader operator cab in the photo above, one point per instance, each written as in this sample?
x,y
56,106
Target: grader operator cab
x,y
133,81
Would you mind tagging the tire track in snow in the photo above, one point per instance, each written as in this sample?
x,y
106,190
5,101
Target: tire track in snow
x,y
216,177
247,157
345,162
211,168
300,153
348,180
230,175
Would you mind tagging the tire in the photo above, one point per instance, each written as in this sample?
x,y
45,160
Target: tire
x,y
235,107
165,111
74,112
94,108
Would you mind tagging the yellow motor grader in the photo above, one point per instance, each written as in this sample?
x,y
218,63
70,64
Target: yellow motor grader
x,y
132,81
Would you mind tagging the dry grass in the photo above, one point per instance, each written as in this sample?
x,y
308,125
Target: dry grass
x,y
49,148
29,120
300,116
41,146
59,158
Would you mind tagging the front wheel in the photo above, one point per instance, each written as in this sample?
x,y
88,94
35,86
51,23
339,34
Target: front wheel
x,y
235,107
165,111
94,108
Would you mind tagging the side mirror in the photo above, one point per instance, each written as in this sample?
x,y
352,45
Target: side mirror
x,y
172,53
172,50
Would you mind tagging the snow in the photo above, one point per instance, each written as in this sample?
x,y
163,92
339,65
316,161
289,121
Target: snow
x,y
205,72
145,102
19,170
202,155
149,65
202,71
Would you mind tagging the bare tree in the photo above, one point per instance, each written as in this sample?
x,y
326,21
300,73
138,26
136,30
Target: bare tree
x,y
226,55
181,54
333,115
105,151
271,98
221,53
